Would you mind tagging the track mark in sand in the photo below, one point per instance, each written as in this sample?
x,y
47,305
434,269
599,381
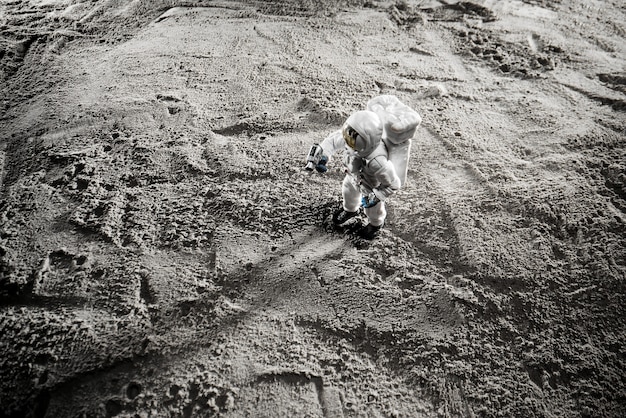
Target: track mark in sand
x,y
180,9
61,274
609,89
239,128
3,165
14,54
518,59
614,102
459,11
328,397
614,176
454,401
615,81
146,293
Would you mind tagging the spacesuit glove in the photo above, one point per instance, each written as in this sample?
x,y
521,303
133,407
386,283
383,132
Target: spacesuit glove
x,y
321,164
369,201
316,159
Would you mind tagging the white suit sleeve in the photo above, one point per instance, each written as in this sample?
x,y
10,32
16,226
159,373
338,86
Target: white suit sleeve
x,y
333,143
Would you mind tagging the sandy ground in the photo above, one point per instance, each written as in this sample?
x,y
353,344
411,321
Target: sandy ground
x,y
164,254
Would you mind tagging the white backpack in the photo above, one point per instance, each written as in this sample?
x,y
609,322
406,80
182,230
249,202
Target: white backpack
x,y
399,125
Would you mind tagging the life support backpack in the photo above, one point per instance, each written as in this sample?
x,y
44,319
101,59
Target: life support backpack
x,y
399,125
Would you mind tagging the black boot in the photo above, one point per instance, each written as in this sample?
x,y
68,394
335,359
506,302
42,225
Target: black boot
x,y
342,216
370,231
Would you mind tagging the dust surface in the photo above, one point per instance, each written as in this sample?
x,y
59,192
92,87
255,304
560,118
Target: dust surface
x,y
164,254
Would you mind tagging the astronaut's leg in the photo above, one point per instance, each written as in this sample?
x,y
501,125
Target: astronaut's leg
x,y
376,214
351,195
351,202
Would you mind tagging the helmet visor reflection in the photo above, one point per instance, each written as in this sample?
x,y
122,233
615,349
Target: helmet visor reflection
x,y
349,135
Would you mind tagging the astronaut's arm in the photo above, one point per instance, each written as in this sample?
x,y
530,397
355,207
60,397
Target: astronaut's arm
x,y
320,154
332,143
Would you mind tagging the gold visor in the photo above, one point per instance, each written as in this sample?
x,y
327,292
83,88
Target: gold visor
x,y
349,135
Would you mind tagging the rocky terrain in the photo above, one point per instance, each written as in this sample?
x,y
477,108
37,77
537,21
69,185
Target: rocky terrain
x,y
163,252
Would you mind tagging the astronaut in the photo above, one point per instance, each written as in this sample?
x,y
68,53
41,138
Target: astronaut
x,y
370,177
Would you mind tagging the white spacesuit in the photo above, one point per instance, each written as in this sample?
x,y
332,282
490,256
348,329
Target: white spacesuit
x,y
370,176
377,143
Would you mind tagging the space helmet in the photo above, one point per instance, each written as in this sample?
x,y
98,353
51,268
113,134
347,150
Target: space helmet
x,y
363,132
